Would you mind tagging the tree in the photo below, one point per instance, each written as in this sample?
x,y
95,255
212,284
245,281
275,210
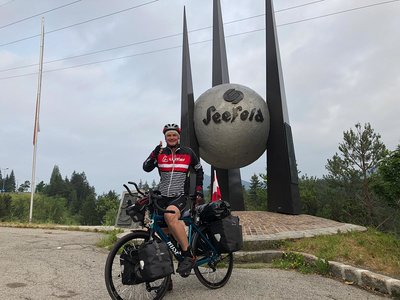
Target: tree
x,y
154,185
82,196
5,204
387,179
40,187
360,152
264,178
146,186
9,183
24,186
308,187
57,186
107,207
88,213
256,196
254,186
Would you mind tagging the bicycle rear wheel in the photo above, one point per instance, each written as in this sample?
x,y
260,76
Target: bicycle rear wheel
x,y
123,285
216,272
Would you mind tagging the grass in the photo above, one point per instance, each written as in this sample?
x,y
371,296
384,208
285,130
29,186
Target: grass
x,y
373,250
109,239
56,227
296,261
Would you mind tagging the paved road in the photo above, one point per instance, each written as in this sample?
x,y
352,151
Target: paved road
x,y
38,264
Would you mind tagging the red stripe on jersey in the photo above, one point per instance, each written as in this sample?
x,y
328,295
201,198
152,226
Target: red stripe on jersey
x,y
166,162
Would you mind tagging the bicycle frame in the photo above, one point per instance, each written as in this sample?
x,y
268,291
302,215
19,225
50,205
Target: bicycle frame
x,y
192,229
206,268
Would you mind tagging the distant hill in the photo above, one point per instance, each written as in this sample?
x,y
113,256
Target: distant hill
x,y
207,181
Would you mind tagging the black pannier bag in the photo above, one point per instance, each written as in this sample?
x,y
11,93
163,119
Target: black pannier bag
x,y
227,234
214,211
129,260
155,260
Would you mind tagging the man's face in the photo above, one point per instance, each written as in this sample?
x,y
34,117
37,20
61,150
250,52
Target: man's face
x,y
172,138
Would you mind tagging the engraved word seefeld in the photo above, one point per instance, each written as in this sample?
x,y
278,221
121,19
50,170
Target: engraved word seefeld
x,y
233,96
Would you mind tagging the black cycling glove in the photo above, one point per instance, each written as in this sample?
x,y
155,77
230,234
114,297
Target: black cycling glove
x,y
156,150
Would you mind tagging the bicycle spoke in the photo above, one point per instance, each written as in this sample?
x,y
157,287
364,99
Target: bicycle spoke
x,y
215,271
132,289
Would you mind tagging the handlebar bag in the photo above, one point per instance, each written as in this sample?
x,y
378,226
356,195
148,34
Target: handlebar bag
x,y
155,260
137,210
227,234
214,211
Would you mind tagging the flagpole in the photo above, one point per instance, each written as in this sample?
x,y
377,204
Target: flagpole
x,y
36,126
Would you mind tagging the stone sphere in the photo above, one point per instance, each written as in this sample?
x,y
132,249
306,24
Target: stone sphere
x,y
231,123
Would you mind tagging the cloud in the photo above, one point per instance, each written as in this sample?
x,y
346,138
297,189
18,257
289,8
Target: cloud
x,y
105,118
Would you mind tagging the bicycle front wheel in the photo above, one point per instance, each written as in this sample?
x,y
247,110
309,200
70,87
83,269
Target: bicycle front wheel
x,y
121,268
217,269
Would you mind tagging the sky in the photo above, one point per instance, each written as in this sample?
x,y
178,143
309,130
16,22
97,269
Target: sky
x,y
103,113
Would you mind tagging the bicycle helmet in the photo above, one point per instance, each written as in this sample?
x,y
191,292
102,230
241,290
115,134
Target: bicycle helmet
x,y
171,127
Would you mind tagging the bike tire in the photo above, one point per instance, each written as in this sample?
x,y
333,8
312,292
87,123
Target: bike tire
x,y
217,272
112,273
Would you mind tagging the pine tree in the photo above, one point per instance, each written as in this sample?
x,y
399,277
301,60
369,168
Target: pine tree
x,y
146,186
387,179
153,185
9,183
81,192
254,186
360,152
56,185
256,197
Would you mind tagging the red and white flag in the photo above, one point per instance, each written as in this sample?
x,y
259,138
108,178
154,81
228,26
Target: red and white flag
x,y
216,192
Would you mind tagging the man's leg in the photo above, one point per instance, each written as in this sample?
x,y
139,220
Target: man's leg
x,y
176,227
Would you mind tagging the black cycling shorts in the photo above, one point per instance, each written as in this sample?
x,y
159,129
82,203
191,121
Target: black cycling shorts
x,y
179,202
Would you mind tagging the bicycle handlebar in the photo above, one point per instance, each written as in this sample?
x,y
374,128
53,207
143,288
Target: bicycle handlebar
x,y
137,188
153,197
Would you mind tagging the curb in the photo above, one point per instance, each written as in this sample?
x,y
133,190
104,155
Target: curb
x,y
352,275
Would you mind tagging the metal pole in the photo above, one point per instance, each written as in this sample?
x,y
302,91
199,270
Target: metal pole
x,y
36,127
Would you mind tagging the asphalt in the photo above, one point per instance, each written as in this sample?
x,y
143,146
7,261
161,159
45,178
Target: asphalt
x,y
262,230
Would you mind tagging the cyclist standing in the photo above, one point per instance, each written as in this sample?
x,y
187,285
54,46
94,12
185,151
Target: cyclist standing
x,y
173,163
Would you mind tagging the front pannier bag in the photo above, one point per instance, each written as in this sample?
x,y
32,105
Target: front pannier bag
x,y
227,234
129,261
155,260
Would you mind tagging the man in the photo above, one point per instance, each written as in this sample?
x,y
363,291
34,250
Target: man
x,y
173,163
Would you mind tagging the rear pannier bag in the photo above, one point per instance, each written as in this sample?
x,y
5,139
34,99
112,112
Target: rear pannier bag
x,y
155,260
227,234
214,211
